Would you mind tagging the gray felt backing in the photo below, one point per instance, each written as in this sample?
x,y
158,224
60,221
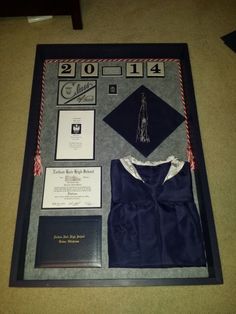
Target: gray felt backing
x,y
108,145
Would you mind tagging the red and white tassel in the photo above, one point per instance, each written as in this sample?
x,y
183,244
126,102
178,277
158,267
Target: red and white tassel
x,y
191,159
190,155
38,168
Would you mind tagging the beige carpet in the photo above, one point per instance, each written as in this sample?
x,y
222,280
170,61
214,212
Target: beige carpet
x,y
198,23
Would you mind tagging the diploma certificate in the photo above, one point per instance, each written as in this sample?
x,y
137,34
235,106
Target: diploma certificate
x,y
75,135
71,187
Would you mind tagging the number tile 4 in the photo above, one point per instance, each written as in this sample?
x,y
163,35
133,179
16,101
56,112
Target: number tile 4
x,y
155,69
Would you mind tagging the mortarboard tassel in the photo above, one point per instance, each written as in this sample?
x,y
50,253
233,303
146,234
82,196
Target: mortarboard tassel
x,y
142,129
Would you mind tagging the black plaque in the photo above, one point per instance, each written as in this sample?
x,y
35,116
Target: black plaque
x,y
71,241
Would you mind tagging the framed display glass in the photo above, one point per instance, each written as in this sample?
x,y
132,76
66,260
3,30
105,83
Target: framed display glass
x,y
114,187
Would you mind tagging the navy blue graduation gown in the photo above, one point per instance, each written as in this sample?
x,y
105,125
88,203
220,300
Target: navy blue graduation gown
x,y
153,220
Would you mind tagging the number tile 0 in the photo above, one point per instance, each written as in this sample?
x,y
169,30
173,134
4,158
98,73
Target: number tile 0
x,y
89,69
66,69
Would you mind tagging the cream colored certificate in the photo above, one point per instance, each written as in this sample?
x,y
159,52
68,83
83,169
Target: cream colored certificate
x,y
72,187
75,135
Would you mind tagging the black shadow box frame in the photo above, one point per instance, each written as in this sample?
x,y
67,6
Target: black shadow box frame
x,y
71,51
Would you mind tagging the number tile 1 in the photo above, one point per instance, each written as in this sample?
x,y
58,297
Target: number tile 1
x,y
134,69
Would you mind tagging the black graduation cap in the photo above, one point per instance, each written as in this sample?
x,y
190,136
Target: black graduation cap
x,y
144,120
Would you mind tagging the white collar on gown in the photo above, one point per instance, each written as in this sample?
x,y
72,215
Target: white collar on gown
x,y
129,161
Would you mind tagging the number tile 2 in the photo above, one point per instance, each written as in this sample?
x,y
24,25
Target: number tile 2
x,y
66,69
89,69
155,69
